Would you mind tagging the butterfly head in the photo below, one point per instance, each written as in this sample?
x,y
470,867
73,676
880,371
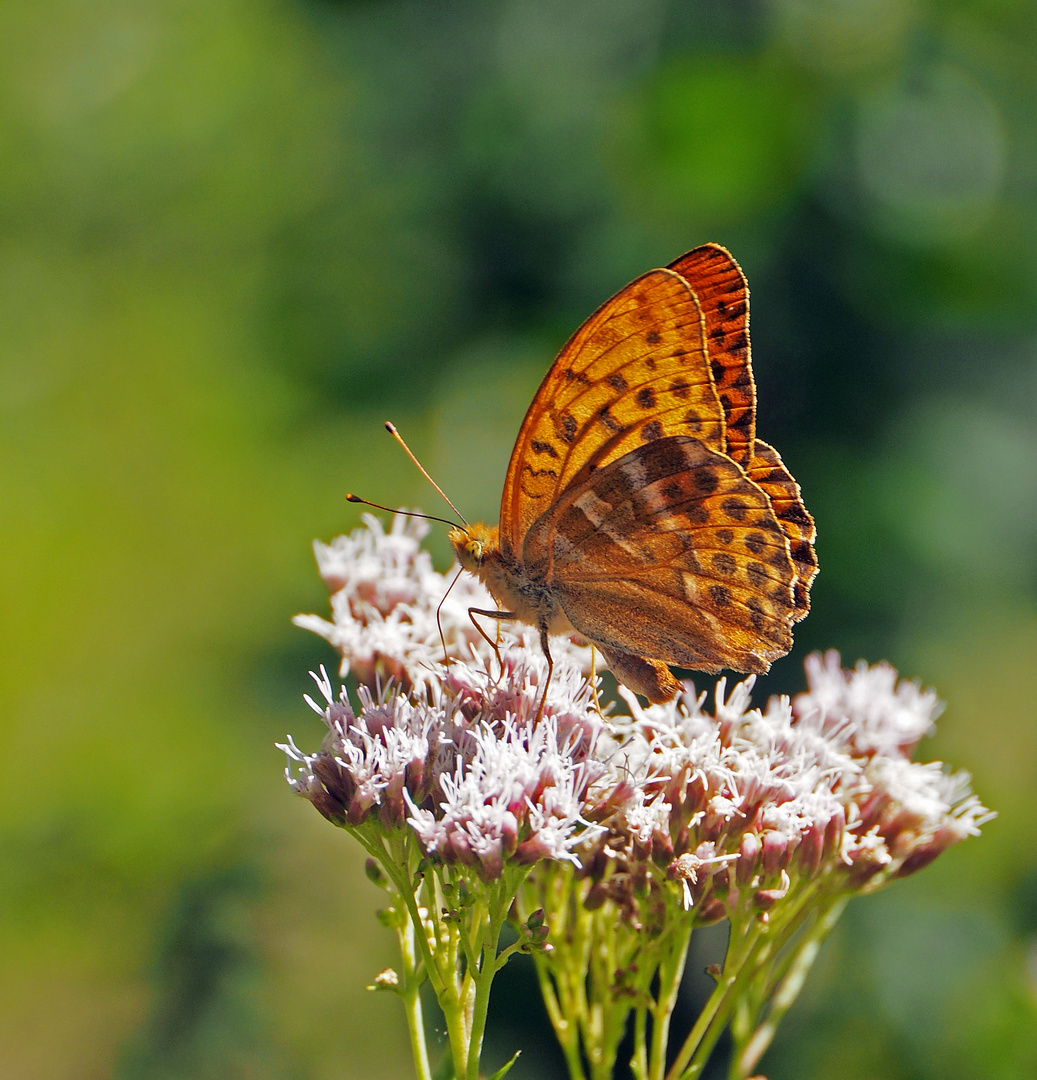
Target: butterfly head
x,y
474,545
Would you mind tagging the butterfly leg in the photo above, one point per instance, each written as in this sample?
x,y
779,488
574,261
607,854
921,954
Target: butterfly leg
x,y
594,679
439,620
550,670
498,615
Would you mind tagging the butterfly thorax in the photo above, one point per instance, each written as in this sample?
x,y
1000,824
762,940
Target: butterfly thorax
x,y
527,598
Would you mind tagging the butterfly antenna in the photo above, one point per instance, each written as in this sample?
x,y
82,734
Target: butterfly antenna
x,y
391,428
350,497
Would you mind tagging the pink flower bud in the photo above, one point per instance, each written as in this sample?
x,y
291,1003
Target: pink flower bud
x,y
834,829
509,832
748,852
775,852
596,896
924,854
710,911
810,850
767,898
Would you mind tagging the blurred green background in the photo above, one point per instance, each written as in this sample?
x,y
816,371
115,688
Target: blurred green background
x,y
236,236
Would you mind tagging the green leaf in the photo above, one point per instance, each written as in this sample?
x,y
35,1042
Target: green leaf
x,y
505,1069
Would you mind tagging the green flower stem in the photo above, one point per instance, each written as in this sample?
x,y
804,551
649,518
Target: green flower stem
x,y
562,974
409,934
472,933
713,1018
392,863
412,1002
746,994
671,969
492,917
399,860
756,962
580,957
747,1057
601,1012
639,1060
819,923
566,1030
458,1030
578,980
633,954
794,917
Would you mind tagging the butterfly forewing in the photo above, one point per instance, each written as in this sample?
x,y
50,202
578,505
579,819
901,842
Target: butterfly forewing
x,y
670,552
723,295
636,371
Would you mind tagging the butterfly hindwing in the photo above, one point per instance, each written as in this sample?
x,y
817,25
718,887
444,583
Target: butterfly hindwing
x,y
670,552
636,371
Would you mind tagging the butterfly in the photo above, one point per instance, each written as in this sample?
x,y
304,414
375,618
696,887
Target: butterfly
x,y
640,511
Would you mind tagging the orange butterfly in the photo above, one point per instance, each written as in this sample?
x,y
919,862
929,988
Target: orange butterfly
x,y
640,511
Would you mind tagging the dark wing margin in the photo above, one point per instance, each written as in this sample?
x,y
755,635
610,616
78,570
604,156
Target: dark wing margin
x,y
769,472
723,294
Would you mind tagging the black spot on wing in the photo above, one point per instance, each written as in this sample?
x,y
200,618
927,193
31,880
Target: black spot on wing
x,y
705,479
724,563
608,420
720,595
757,574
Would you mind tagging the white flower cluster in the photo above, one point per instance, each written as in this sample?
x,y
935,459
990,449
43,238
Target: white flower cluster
x,y
516,791
462,761
750,799
884,716
384,600
391,611
729,808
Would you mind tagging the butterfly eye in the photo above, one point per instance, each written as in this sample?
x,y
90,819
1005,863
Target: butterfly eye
x,y
475,549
